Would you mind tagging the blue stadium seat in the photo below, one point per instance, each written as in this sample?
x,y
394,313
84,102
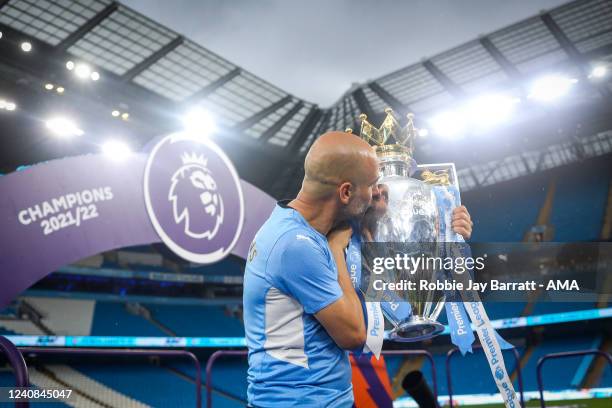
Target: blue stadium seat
x,y
155,386
579,204
197,321
557,374
478,381
7,379
504,212
229,375
111,319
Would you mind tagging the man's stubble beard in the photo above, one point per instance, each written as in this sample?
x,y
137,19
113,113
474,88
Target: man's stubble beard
x,y
355,211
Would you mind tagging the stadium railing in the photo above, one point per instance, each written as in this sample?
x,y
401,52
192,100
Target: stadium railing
x,y
241,353
517,358
15,359
121,352
565,354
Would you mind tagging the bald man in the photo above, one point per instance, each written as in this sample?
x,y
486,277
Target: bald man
x,y
301,312
300,309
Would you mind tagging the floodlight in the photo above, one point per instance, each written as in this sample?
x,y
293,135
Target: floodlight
x,y
551,87
82,71
599,71
448,124
488,110
199,122
63,127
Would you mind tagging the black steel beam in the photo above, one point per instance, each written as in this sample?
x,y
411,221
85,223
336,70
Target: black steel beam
x,y
389,99
562,39
305,129
153,58
570,49
212,87
320,127
446,82
344,112
502,61
282,121
250,121
541,158
526,163
88,26
3,3
476,181
362,103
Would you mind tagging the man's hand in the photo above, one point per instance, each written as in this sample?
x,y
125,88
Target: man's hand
x,y
462,222
339,237
343,319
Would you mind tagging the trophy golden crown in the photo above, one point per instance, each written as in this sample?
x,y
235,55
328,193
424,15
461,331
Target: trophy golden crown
x,y
390,140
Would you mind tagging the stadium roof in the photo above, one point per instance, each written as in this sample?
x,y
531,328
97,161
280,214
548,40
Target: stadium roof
x,y
153,70
570,37
118,40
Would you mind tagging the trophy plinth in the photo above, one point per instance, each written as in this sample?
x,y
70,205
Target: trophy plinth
x,y
416,328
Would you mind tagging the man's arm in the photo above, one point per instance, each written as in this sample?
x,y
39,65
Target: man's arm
x,y
343,319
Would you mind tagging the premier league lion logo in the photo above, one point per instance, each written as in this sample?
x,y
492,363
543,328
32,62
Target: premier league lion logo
x,y
196,201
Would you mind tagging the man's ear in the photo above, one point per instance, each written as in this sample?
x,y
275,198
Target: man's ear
x,y
345,190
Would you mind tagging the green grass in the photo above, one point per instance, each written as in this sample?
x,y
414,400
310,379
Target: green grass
x,y
582,403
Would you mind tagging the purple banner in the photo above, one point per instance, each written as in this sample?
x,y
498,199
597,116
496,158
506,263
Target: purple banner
x,y
59,212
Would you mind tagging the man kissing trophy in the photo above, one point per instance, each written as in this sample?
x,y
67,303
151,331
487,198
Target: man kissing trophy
x,y
411,218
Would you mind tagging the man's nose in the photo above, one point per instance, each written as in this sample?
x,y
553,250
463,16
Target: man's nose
x,y
375,192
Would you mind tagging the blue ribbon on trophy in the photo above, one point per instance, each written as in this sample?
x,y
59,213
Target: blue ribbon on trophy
x,y
448,198
461,333
391,305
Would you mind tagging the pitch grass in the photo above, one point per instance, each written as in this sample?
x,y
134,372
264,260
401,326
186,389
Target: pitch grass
x,y
582,403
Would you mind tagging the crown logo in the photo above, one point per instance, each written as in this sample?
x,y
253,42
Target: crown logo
x,y
193,158
390,139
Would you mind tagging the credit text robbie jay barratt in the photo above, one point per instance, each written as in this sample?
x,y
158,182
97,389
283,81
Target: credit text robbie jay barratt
x,y
493,285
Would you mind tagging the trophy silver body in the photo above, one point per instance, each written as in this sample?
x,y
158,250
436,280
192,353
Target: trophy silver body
x,y
410,215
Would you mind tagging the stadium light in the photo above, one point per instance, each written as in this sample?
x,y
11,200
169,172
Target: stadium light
x,y
115,113
63,127
60,89
551,87
125,116
488,110
0,35
116,149
26,46
69,65
94,76
599,72
199,122
82,71
7,105
447,124
423,132
49,86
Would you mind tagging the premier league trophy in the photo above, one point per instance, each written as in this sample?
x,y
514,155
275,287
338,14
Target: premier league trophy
x,y
411,218
406,220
